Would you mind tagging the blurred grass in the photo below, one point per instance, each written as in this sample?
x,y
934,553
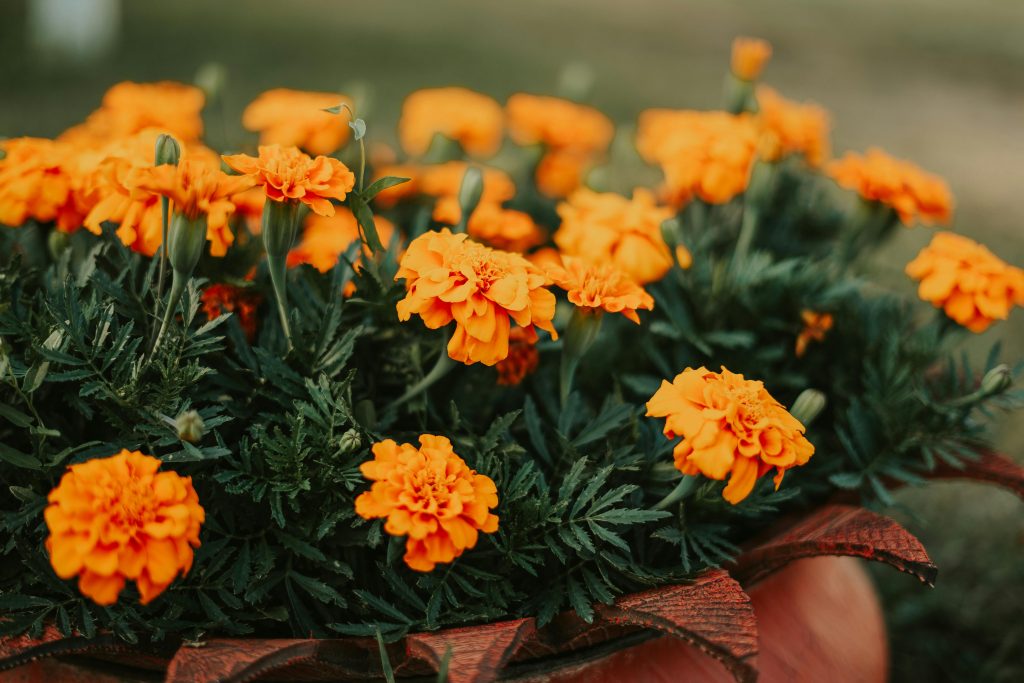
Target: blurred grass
x,y
940,82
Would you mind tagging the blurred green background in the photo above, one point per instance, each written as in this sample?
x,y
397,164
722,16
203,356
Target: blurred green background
x,y
940,82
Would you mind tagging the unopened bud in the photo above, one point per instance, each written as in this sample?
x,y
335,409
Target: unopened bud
x,y
470,192
190,426
808,405
167,150
350,441
57,241
186,241
211,78
996,381
670,232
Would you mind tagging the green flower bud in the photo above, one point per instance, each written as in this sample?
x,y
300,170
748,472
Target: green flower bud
x,y
470,192
57,242
211,78
350,441
167,150
670,232
186,242
996,381
808,405
280,222
190,426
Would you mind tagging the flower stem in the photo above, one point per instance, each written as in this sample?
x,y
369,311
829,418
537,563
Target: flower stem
x,y
278,279
683,489
164,211
178,282
442,367
580,335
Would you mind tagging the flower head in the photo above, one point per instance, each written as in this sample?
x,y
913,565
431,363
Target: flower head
x,y
730,426
40,179
473,120
501,228
607,227
325,238
450,277
816,325
557,123
296,118
523,357
287,174
197,188
703,154
749,55
600,287
222,297
968,281
913,193
130,108
789,127
429,495
117,518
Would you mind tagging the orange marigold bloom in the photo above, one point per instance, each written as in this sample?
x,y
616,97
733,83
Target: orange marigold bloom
x,y
704,154
789,127
968,281
560,173
117,518
287,174
504,229
601,287
910,191
129,108
197,189
815,327
429,495
222,297
296,118
522,360
325,238
558,123
39,179
749,55
451,277
444,180
607,227
730,426
473,120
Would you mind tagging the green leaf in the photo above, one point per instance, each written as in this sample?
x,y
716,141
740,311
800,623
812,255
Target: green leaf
x,y
847,480
14,416
385,661
19,459
358,127
381,184
364,216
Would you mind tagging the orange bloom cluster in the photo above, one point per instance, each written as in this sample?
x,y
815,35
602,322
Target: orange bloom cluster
x,y
523,357
600,287
913,193
296,118
222,297
749,55
431,496
607,227
473,120
325,238
287,174
970,283
38,180
117,518
450,277
703,154
501,228
730,426
816,325
560,173
789,127
197,189
129,108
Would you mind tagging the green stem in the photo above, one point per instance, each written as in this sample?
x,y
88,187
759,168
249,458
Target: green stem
x,y
442,367
164,211
278,278
748,231
683,489
580,335
178,282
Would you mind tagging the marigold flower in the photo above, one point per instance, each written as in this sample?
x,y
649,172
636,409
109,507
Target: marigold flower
x,y
815,326
117,518
197,189
730,426
607,227
560,173
913,193
429,495
557,123
600,287
450,277
789,127
473,120
522,360
296,118
444,180
129,108
325,238
749,55
970,283
243,302
501,228
285,173
704,154
39,179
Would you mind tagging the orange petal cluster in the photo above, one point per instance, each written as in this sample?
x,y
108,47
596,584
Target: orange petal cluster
x,y
197,189
913,193
789,127
730,426
39,180
501,228
749,55
287,174
222,297
296,118
325,238
473,120
129,108
117,519
451,277
816,325
703,154
522,360
970,283
607,227
429,495
600,287
559,173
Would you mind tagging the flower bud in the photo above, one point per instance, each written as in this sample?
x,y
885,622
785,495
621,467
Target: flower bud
x,y
470,192
211,78
167,150
56,242
670,232
186,241
808,405
349,442
280,221
996,381
190,426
